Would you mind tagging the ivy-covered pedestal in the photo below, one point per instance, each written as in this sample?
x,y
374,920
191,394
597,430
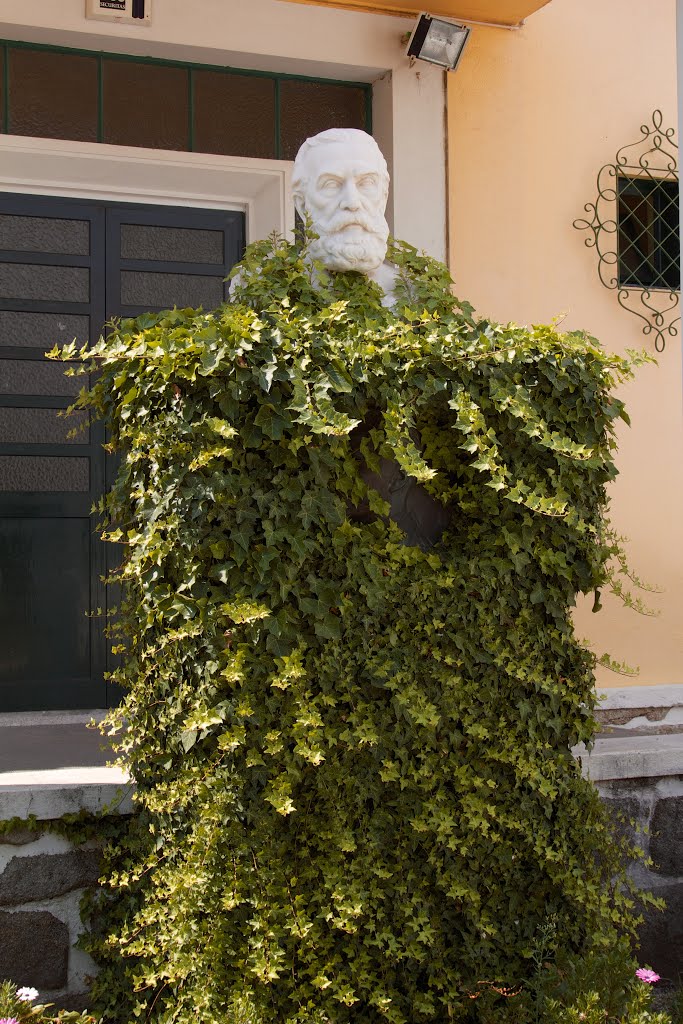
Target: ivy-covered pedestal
x,y
356,797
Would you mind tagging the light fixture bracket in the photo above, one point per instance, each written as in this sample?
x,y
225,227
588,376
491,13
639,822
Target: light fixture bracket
x,y
437,41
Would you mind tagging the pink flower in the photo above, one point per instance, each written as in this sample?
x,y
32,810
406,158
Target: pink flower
x,y
8,1020
643,973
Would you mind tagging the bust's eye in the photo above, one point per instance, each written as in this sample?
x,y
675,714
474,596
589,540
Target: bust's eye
x,y
330,185
367,183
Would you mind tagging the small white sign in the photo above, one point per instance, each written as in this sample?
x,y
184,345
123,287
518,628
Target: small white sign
x,y
128,12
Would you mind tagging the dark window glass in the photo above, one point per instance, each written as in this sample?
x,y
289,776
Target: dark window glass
x,y
2,89
44,473
234,114
186,245
34,281
41,330
42,426
53,95
648,231
167,290
311,107
45,234
145,105
34,377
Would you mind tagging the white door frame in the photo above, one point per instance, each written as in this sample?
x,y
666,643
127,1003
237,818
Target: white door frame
x,y
89,170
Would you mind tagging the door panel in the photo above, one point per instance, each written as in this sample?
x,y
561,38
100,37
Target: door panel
x,y
50,560
27,377
36,555
176,245
42,426
43,473
161,291
44,234
163,257
28,281
66,268
22,329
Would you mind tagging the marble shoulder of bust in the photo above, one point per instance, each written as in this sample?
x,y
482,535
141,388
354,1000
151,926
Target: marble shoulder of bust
x,y
386,276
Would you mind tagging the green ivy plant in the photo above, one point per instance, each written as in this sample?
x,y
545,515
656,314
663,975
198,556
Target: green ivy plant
x,y
356,797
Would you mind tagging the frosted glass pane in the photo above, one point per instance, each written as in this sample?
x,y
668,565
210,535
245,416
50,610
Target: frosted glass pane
x,y
33,281
53,95
34,377
185,245
234,114
311,107
145,105
42,426
44,473
45,234
140,288
41,330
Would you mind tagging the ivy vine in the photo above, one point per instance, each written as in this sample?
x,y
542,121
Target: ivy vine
x,y
356,799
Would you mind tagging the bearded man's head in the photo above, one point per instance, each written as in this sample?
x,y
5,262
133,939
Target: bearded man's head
x,y
341,184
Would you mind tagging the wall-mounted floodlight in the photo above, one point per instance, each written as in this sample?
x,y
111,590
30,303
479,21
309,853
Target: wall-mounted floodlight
x,y
438,41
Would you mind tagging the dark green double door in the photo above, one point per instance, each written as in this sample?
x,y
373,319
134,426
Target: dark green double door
x,y
67,267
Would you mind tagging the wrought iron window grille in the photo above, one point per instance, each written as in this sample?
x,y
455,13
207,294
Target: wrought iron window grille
x,y
634,228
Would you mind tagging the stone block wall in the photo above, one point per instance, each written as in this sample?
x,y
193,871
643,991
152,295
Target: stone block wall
x,y
636,764
654,806
42,879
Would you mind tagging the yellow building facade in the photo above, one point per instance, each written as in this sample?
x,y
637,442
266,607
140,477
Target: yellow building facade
x,y
533,115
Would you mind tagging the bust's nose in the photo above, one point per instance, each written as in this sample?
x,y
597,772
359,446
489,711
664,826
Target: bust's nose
x,y
350,198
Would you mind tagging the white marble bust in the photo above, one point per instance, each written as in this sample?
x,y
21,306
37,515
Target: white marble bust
x,y
340,184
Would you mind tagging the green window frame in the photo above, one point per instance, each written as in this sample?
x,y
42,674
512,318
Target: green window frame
x,y
8,46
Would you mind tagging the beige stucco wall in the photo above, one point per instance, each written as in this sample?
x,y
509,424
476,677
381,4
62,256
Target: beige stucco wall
x,y
532,117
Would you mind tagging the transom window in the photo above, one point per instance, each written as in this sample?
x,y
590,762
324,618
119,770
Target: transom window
x,y
57,93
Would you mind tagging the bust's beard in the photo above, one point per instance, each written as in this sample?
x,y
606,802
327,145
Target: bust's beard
x,y
363,252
